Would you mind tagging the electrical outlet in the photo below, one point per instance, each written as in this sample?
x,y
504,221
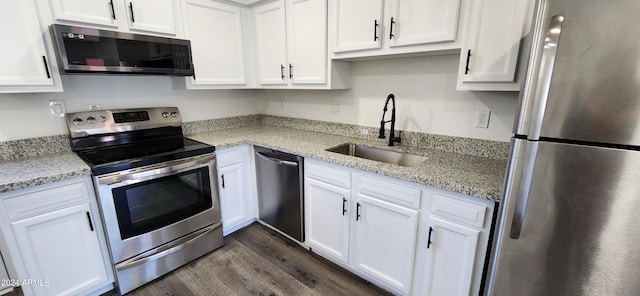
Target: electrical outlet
x,y
334,107
281,104
57,108
482,118
364,131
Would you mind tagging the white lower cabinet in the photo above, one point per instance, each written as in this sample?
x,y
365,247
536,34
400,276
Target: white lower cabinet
x,y
327,219
234,186
359,230
372,225
454,245
384,241
55,239
452,257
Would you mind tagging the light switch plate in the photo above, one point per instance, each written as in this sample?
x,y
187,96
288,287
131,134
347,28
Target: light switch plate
x,y
482,118
58,109
334,107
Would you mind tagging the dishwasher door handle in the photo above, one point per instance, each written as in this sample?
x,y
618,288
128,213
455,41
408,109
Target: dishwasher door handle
x,y
277,161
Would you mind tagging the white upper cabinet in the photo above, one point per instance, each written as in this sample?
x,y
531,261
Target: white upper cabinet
x,y
159,17
291,43
490,54
307,36
217,45
271,41
25,65
365,28
153,15
94,12
358,25
413,22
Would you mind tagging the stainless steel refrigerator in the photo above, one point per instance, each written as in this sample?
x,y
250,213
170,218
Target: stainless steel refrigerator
x,y
569,221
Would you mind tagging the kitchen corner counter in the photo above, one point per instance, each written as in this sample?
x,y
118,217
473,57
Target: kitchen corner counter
x,y
38,170
476,176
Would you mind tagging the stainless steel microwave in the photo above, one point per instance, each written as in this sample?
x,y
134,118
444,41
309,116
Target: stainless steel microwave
x,y
86,50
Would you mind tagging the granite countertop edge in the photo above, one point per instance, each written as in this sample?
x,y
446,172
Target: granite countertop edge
x,y
34,171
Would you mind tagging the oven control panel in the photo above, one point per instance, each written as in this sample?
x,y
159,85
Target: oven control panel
x,y
82,124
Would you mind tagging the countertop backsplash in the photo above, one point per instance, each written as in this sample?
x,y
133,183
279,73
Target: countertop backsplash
x,y
33,147
11,150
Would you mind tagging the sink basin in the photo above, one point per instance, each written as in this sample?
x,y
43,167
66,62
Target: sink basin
x,y
377,154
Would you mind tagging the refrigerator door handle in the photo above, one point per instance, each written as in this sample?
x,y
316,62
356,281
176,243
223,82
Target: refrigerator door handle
x,y
520,190
547,61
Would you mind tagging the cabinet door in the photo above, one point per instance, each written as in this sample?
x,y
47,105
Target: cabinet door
x,y
156,16
95,12
233,198
327,219
308,41
451,258
385,240
271,43
422,21
359,25
215,31
491,51
24,60
61,248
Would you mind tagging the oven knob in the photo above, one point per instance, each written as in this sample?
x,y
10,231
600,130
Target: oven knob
x,y
165,114
77,121
174,114
102,119
91,119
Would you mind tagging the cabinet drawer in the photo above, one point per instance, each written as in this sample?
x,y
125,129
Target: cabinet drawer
x,y
328,175
45,200
393,192
464,212
229,156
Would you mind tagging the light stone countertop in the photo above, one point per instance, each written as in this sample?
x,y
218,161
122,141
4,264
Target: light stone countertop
x,y
33,171
470,175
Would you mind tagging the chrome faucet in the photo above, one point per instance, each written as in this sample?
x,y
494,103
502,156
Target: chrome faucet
x,y
392,138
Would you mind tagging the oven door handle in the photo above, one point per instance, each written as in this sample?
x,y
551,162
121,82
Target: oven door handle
x,y
166,250
155,171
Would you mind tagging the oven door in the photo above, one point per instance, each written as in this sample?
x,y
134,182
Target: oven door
x,y
144,208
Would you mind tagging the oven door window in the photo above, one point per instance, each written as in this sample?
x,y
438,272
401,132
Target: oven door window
x,y
153,204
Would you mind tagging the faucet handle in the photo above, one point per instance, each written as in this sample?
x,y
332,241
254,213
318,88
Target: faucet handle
x,y
381,134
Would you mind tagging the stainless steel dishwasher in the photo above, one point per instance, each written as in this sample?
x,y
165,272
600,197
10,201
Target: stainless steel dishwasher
x,y
280,191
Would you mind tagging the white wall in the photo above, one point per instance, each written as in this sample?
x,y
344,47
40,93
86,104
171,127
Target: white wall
x,y
28,115
426,99
424,88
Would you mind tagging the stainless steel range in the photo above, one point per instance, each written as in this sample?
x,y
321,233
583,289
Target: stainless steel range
x,y
157,190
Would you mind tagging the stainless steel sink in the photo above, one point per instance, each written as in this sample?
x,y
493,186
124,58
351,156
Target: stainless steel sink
x,y
377,154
